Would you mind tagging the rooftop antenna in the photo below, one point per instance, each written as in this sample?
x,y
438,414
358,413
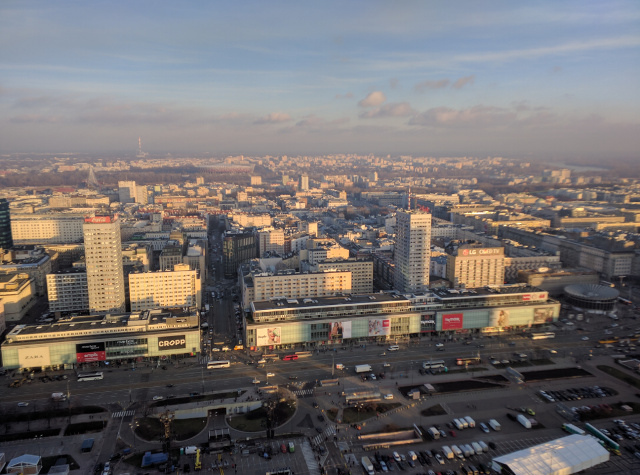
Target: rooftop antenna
x,y
141,154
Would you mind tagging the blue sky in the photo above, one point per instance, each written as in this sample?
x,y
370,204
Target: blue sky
x,y
543,79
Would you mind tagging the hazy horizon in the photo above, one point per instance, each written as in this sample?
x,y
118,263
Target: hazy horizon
x,y
543,81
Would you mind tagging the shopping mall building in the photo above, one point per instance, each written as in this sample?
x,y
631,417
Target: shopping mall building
x,y
369,318
86,342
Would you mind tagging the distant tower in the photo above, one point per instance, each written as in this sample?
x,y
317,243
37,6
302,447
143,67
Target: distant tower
x,y
141,154
304,182
6,238
92,181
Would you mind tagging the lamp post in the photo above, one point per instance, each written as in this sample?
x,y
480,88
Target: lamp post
x,y
202,372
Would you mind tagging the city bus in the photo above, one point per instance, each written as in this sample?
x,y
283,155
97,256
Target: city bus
x,y
624,301
542,335
303,354
90,376
608,341
433,364
218,364
469,360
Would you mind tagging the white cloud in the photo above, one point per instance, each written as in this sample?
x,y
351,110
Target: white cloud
x,y
396,109
460,83
476,116
373,100
274,118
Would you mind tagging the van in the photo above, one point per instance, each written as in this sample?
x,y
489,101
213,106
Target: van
x,y
190,450
292,447
393,348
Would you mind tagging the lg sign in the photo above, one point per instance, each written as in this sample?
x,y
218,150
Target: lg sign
x,y
452,321
172,342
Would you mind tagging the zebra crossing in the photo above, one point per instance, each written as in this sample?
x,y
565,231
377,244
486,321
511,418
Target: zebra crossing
x,y
303,392
310,458
130,412
328,432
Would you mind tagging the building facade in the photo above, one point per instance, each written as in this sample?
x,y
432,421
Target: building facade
x,y
68,291
361,272
412,254
472,265
103,258
47,229
237,248
180,287
6,237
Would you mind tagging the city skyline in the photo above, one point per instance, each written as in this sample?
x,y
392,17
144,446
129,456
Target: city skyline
x,y
544,81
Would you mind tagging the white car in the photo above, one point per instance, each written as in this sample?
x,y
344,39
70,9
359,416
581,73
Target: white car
x,y
255,381
270,374
158,398
23,404
439,345
388,396
396,456
585,338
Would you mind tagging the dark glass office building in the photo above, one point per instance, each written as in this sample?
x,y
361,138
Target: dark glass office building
x,y
6,240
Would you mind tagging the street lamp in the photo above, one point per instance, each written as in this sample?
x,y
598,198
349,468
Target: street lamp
x,y
202,371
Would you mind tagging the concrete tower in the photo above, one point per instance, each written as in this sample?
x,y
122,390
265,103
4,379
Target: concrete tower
x,y
412,255
103,257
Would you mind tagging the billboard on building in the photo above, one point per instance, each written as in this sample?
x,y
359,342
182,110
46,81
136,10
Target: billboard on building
x,y
89,352
340,330
499,318
542,315
174,342
269,336
34,357
452,321
379,327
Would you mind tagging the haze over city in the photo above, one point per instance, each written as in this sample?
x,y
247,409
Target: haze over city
x,y
542,81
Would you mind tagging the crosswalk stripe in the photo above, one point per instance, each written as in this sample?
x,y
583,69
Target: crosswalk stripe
x,y
123,414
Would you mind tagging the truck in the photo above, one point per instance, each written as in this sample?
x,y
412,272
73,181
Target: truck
x,y
524,420
495,425
363,368
476,448
448,453
571,429
485,447
466,450
611,445
434,433
456,450
464,422
470,421
58,397
368,466
458,424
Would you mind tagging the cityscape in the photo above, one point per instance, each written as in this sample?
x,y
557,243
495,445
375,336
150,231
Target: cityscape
x,y
308,243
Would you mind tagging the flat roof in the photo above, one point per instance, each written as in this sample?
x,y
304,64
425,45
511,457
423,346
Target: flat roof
x,y
337,300
488,291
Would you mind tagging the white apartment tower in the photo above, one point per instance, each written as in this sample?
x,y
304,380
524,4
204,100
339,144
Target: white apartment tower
x,y
180,287
412,255
103,258
127,192
304,182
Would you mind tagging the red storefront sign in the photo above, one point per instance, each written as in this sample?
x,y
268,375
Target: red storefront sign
x,y
452,321
91,357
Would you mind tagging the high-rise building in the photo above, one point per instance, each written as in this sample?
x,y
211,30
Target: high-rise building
x,y
304,182
127,192
6,241
412,254
474,265
103,258
180,287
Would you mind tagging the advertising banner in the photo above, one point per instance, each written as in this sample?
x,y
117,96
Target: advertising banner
x,y
269,336
542,315
89,352
172,342
340,330
452,321
34,357
379,327
499,318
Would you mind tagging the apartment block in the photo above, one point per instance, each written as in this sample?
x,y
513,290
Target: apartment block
x,y
180,287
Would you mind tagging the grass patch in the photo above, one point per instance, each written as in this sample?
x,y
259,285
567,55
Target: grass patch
x,y
621,375
150,428
366,411
436,410
256,420
332,414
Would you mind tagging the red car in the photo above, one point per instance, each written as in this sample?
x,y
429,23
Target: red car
x,y
290,357
453,433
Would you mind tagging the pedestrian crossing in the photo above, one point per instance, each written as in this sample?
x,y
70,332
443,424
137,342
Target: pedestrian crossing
x,y
130,412
303,392
310,458
328,432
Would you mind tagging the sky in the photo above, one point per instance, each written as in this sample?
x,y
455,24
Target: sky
x,y
543,80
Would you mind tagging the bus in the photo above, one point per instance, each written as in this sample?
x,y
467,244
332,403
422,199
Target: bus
x,y
90,376
608,341
542,335
433,364
625,301
303,354
606,284
469,360
218,364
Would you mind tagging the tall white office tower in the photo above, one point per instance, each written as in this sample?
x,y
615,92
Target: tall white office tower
x,y
103,258
127,192
412,255
304,183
